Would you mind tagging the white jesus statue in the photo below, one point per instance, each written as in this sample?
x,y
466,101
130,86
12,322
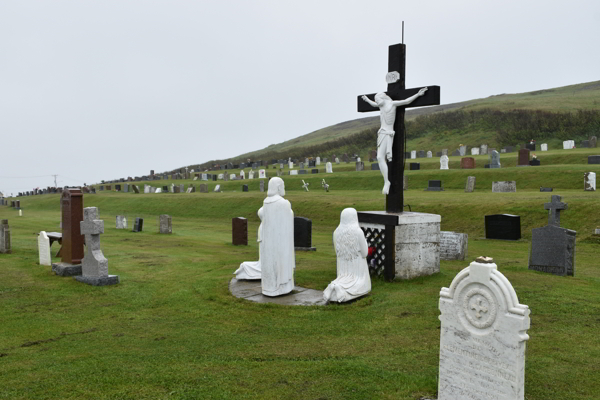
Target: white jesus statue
x,y
385,135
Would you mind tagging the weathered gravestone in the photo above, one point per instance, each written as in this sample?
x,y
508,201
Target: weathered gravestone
x,y
470,186
503,226
262,186
482,336
121,222
474,151
138,226
589,181
429,154
244,188
360,166
504,187
203,188
553,247
303,234
462,151
483,149
94,266
72,253
467,163
239,231
164,224
544,146
135,189
375,167
421,154
414,166
217,188
435,186
453,246
44,249
5,240
593,142
329,168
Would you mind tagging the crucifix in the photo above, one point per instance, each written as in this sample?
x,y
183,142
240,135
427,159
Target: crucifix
x,y
554,208
397,92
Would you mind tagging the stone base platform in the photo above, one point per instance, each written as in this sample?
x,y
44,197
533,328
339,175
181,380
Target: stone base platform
x,y
410,242
65,269
251,290
305,248
99,281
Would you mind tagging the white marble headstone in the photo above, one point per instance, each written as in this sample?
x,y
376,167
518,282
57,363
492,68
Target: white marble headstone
x,y
482,338
328,168
220,176
251,174
294,172
589,181
231,176
262,174
242,174
44,249
337,160
474,151
429,154
218,188
444,162
413,154
318,161
544,146
568,144
158,190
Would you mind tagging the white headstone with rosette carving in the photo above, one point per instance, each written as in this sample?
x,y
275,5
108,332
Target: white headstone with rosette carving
x,y
483,336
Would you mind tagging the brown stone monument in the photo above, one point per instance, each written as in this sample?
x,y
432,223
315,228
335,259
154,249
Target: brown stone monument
x,y
467,163
71,204
523,160
239,231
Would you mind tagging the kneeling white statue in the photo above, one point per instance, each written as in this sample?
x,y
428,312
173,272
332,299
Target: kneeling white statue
x,y
278,259
352,271
250,270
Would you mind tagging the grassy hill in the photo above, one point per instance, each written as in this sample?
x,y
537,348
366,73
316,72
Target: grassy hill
x,y
172,330
552,115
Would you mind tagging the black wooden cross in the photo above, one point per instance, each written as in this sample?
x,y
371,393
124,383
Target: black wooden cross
x,y
394,202
554,208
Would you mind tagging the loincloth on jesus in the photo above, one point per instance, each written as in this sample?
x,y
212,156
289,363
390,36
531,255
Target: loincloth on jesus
x,y
385,141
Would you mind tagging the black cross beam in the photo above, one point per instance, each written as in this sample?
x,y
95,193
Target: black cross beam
x,y
394,202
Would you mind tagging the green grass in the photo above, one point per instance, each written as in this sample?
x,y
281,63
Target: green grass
x,y
171,329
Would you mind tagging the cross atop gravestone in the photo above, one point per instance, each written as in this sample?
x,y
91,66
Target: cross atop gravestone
x,y
94,263
396,90
554,208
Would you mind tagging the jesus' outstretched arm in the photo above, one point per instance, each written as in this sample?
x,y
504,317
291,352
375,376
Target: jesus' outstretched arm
x,y
371,102
399,103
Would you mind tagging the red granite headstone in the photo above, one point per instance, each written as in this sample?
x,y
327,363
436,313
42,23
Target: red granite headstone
x,y
71,203
467,163
523,157
239,231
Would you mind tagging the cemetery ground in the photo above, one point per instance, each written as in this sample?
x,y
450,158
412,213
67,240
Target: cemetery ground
x,y
172,330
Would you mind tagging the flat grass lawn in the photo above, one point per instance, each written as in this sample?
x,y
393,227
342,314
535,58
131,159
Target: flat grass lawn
x,y
172,330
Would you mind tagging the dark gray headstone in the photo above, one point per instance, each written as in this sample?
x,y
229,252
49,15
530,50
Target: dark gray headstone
x,y
415,166
585,144
139,225
314,171
244,188
530,146
303,233
375,167
435,186
593,159
302,171
545,189
421,154
503,226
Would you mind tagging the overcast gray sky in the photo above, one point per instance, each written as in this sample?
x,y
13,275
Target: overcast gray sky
x,y
93,90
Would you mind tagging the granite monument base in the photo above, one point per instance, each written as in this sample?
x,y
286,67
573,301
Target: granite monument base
x,y
99,280
411,242
66,269
305,248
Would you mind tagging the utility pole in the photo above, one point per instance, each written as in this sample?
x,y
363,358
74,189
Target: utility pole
x,y
54,179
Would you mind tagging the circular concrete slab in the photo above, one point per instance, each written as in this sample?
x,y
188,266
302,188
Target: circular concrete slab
x,y
251,290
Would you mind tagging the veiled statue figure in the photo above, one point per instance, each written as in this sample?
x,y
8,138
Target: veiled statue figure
x,y
250,270
278,260
351,248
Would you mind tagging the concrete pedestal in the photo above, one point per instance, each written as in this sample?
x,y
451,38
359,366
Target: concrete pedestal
x,y
66,269
410,243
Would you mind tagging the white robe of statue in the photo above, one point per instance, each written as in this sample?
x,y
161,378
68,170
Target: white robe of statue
x,y
351,248
278,259
250,270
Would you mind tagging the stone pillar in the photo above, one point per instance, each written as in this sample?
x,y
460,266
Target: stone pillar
x,y
5,243
71,203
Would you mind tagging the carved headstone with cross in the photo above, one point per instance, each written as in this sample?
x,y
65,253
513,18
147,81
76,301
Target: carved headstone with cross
x,y
94,266
553,247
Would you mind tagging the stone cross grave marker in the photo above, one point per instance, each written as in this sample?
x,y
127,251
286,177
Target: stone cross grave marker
x,y
397,91
482,336
94,266
305,185
554,208
44,249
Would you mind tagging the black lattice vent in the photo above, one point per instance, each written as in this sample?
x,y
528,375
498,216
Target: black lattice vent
x,y
376,239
